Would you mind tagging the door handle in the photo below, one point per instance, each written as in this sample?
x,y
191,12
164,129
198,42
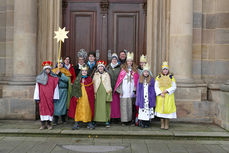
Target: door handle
x,y
109,55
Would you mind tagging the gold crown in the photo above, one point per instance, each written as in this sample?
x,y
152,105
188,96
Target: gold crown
x,y
146,67
84,68
130,56
165,65
143,59
60,60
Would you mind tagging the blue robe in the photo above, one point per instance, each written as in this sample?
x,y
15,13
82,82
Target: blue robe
x,y
60,107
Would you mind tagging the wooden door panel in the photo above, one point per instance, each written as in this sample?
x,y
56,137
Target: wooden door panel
x,y
126,31
83,30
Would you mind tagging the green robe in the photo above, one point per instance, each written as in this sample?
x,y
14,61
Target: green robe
x,y
102,105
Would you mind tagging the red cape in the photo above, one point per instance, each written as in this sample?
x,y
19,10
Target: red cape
x,y
46,93
72,71
91,97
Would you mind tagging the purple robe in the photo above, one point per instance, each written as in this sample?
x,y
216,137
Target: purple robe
x,y
140,94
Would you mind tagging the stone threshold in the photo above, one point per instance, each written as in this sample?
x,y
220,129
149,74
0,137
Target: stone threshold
x,y
161,134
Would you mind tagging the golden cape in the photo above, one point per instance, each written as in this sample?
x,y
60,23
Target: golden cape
x,y
63,70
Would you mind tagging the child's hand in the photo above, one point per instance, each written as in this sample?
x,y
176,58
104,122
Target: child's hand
x,y
58,71
162,95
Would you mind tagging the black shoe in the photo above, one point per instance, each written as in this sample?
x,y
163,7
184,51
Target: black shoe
x,y
90,126
76,126
55,120
63,119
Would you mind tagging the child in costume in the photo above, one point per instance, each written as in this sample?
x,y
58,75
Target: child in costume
x,y
146,97
114,69
83,90
165,86
126,86
46,93
103,94
82,55
60,107
141,64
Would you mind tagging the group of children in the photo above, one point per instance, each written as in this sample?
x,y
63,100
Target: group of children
x,y
95,92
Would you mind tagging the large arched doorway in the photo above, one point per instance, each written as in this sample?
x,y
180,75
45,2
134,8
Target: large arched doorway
x,y
104,27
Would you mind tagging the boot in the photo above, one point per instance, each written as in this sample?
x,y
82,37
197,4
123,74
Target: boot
x,y
63,119
162,123
42,125
166,124
49,125
55,120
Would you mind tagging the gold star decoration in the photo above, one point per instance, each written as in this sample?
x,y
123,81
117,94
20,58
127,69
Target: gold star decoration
x,y
61,34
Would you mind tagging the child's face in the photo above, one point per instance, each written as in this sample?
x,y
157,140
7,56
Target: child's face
x,y
114,61
101,69
142,64
84,72
165,71
47,71
129,63
61,65
91,58
146,73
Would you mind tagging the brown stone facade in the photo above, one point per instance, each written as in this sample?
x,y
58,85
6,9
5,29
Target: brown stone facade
x,y
192,35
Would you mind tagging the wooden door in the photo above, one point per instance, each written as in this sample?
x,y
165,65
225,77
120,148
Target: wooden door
x,y
126,26
104,27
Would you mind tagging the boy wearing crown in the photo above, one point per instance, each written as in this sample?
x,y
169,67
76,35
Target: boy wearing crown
x,y
103,94
126,86
146,97
165,86
114,69
46,93
60,107
83,90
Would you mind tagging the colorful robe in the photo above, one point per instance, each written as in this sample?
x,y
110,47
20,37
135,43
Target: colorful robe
x,y
115,104
165,107
85,104
103,97
146,99
126,104
46,94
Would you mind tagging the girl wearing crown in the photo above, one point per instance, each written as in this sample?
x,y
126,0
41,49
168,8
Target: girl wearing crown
x,y
165,86
141,64
82,55
114,69
46,93
83,90
60,107
126,86
103,94
146,97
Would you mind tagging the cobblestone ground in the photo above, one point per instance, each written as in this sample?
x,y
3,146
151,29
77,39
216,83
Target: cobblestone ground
x,y
79,145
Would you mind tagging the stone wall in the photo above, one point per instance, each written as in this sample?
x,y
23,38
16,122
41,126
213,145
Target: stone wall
x,y
6,39
211,40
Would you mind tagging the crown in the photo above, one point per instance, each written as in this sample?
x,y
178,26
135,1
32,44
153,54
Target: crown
x,y
143,59
165,65
146,67
130,56
47,63
101,63
60,60
84,68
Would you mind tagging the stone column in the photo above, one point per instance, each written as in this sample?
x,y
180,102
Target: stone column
x,y
25,35
181,26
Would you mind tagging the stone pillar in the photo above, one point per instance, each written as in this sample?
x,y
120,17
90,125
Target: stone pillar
x,y
181,26
25,35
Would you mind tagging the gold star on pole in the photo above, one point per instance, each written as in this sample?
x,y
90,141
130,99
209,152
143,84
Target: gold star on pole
x,y
61,34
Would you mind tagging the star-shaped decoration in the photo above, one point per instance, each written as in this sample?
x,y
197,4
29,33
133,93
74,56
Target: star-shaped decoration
x,y
61,34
